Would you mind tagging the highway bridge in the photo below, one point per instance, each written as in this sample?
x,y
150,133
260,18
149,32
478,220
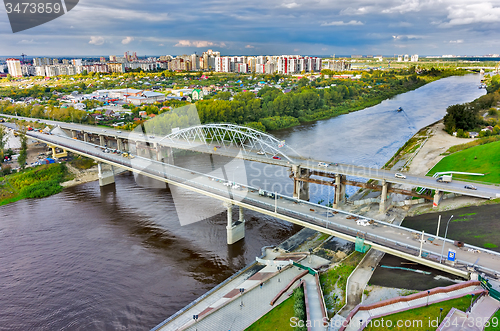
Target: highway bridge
x,y
396,240
226,140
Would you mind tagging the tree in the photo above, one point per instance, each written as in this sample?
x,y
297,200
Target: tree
x,y
3,140
23,154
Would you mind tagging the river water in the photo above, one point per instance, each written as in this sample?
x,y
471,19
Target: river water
x,y
116,258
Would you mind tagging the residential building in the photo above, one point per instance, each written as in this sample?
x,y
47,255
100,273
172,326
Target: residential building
x,y
116,67
14,67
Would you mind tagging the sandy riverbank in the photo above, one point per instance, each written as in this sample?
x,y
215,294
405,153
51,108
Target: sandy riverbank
x,y
81,176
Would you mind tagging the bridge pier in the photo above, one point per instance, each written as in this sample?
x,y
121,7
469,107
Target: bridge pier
x,y
73,133
119,143
102,141
437,198
339,197
300,188
383,197
86,137
236,230
106,177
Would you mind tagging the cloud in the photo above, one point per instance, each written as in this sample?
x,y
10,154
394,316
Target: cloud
x,y
472,13
198,44
27,42
407,37
249,46
405,7
356,11
290,5
161,45
458,41
339,23
127,40
96,40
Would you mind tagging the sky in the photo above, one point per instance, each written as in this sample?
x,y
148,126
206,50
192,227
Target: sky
x,y
263,27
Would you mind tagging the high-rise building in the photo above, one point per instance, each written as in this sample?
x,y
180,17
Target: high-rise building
x,y
102,59
14,67
112,58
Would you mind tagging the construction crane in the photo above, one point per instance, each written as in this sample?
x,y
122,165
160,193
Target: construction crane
x,y
23,56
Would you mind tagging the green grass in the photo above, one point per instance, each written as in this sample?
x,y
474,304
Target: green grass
x,y
36,182
490,245
468,214
423,315
479,159
337,277
465,219
277,319
494,322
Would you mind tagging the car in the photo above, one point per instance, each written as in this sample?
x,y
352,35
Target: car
x,y
152,137
398,175
261,153
276,157
470,187
323,164
103,130
118,131
217,146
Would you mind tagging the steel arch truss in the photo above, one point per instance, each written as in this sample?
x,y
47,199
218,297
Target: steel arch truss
x,y
250,141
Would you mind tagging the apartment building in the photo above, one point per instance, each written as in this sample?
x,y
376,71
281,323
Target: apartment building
x,y
14,67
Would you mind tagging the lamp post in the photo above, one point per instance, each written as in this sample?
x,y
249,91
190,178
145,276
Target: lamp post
x,y
440,311
428,294
471,299
444,240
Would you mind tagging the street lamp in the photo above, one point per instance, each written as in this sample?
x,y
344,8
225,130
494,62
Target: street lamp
x,y
428,294
444,240
440,311
471,299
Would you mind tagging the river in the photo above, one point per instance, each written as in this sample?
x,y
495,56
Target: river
x,y
116,258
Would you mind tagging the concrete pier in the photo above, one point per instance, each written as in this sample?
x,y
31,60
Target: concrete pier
x,y
236,230
383,197
106,174
102,141
339,190
300,188
438,196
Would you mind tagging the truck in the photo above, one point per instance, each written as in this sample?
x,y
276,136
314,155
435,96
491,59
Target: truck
x,y
444,179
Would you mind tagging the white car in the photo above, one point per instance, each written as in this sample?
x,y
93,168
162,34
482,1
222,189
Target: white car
x,y
323,164
398,175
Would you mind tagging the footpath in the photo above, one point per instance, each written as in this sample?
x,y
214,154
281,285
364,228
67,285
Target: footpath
x,y
241,301
362,314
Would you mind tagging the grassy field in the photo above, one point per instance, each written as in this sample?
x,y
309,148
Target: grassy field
x,y
277,319
480,159
37,182
424,318
494,322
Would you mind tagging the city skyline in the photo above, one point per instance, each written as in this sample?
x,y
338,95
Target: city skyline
x,y
260,28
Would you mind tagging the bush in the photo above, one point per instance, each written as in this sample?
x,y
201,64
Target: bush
x,y
41,189
6,170
492,112
299,307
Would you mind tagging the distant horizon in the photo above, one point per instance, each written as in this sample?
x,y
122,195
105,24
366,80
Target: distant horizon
x,y
364,56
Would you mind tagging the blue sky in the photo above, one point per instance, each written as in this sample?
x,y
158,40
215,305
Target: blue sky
x,y
263,27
